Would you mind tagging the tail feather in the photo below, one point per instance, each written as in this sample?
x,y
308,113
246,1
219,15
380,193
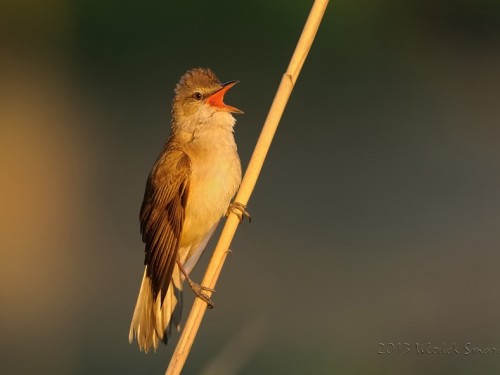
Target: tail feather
x,y
152,320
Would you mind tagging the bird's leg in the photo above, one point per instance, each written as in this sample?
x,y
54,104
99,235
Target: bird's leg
x,y
197,289
240,210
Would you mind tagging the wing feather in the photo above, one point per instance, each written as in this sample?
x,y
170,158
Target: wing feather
x,y
162,216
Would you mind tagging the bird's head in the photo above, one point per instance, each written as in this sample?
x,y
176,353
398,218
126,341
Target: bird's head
x,y
199,99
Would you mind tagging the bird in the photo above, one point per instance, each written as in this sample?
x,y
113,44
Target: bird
x,y
188,191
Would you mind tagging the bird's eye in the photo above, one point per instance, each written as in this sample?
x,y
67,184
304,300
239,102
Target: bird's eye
x,y
198,95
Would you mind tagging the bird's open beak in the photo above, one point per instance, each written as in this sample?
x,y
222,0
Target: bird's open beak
x,y
217,98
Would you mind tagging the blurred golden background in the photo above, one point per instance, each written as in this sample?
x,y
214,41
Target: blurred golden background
x,y
376,218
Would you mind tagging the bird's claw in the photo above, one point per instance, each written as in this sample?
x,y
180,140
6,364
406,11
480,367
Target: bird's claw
x,y
240,210
198,290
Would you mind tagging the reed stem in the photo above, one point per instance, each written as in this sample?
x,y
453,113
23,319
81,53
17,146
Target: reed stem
x,y
248,183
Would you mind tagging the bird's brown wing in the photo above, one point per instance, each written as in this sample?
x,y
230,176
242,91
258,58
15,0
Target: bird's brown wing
x,y
162,216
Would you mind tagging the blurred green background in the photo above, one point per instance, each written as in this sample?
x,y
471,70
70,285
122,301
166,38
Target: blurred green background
x,y
376,218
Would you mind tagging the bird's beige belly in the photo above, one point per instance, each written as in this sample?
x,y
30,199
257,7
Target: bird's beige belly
x,y
211,190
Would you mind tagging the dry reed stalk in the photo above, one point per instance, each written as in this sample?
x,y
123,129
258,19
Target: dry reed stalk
x,y
247,185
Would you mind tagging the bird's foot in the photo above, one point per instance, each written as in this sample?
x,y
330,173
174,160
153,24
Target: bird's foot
x,y
240,210
199,291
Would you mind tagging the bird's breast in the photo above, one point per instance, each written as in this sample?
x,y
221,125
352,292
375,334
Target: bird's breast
x,y
215,178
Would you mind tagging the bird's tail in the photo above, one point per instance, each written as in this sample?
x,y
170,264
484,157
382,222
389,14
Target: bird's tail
x,y
152,321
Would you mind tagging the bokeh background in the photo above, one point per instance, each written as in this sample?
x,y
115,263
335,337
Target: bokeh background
x,y
376,218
